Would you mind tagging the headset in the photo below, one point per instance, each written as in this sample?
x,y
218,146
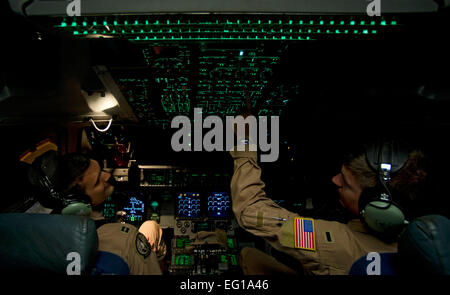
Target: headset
x,y
44,173
377,208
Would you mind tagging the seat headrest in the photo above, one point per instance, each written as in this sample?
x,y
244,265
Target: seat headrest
x,y
44,243
423,246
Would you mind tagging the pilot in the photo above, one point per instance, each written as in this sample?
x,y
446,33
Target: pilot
x,y
83,185
322,247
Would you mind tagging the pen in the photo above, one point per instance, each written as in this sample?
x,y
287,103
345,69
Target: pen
x,y
279,218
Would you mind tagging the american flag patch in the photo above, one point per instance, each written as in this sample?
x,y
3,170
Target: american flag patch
x,y
304,233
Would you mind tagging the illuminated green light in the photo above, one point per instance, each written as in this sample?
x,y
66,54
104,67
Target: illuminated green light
x,y
290,22
342,22
393,23
105,23
332,22
352,23
280,22
85,32
84,24
63,24
374,31
362,23
74,24
300,22
383,23
366,32
270,22
337,32
321,22
136,22
372,23
311,22
75,32
346,32
115,23
94,32
355,32
125,22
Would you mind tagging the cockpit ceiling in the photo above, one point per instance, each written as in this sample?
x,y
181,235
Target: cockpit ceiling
x,y
210,61
168,64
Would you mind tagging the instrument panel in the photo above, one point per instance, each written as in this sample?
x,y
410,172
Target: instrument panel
x,y
198,225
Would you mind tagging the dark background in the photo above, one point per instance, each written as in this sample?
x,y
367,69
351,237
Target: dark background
x,y
351,92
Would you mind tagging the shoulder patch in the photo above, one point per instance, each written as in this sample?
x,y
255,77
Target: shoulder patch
x,y
142,245
304,233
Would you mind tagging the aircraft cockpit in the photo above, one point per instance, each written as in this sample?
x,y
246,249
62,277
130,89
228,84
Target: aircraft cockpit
x,y
148,89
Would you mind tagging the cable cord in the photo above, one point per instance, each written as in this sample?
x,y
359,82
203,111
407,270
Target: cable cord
x,y
101,130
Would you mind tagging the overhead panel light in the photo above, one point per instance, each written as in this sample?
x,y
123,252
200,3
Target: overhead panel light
x,y
100,101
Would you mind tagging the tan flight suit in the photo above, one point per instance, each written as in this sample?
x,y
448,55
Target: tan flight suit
x,y
335,252
132,245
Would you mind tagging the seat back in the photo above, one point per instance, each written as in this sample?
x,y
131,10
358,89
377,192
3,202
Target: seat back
x,y
424,246
47,243
423,249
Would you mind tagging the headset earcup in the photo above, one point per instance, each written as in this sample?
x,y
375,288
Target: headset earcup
x,y
77,208
76,203
383,217
43,174
380,216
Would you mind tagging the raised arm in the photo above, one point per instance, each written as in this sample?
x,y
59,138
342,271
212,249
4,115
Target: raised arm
x,y
254,211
